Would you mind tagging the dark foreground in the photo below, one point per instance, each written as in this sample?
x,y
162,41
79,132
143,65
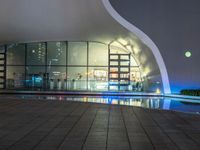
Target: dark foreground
x,y
64,125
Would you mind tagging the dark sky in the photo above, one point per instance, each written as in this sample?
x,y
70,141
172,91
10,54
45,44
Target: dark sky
x,y
174,26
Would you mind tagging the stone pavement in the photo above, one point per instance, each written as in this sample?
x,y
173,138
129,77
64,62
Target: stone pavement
x,y
64,125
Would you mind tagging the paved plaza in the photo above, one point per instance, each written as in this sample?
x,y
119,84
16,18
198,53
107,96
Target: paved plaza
x,y
64,125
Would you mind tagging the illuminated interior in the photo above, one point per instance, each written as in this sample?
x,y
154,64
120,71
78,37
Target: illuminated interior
x,y
87,66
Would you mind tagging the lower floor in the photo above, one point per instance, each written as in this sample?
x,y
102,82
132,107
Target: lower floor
x,y
70,78
60,125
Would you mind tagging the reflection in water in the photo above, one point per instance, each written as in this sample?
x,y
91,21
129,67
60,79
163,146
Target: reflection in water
x,y
146,102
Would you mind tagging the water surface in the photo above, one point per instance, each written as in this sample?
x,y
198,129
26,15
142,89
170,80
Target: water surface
x,y
165,103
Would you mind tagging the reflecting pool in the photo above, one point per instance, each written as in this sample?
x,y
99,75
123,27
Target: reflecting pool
x,y
176,104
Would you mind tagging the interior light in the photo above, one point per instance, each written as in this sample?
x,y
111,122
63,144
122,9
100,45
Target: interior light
x,y
158,91
116,43
136,49
122,41
129,48
58,44
157,82
144,75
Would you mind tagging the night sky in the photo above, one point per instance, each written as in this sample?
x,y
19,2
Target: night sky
x,y
174,26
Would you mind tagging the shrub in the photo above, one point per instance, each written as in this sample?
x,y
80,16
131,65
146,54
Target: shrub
x,y
190,92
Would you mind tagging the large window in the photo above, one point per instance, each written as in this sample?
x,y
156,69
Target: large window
x,y
57,78
36,53
98,78
56,53
98,54
77,53
15,77
16,54
77,78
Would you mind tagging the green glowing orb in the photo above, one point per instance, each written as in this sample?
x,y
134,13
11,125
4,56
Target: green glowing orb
x,y
188,54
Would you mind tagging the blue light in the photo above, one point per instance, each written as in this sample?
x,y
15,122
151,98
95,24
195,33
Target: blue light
x,y
109,100
38,79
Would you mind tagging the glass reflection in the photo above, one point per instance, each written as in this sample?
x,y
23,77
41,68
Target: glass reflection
x,y
97,54
56,53
77,78
36,53
183,105
77,53
57,78
15,77
36,78
98,78
16,54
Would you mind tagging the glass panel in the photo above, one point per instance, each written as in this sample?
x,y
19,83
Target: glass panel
x,y
114,63
98,54
114,57
125,57
136,80
124,69
98,78
36,54
57,78
1,80
77,78
1,62
124,63
35,77
16,54
15,77
135,74
2,48
114,69
117,50
77,53
133,62
1,55
56,53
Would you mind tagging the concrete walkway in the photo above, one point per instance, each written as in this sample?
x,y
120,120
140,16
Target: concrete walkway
x,y
64,125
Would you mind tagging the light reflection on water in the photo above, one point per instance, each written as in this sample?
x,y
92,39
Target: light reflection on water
x,y
141,101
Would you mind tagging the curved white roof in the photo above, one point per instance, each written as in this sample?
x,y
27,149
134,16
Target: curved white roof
x,y
49,20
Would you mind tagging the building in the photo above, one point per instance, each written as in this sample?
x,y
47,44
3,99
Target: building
x,y
99,45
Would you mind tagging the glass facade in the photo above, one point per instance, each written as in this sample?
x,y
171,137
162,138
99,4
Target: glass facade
x,y
64,66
